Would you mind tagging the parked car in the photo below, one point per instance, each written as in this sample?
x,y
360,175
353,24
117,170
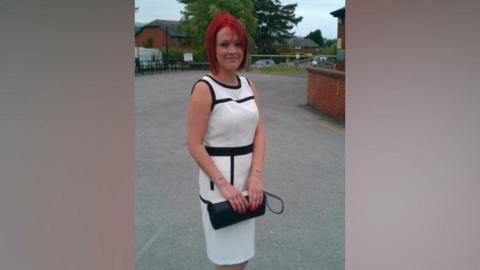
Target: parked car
x,y
319,60
263,63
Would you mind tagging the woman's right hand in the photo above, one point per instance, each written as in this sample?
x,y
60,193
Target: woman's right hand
x,y
234,197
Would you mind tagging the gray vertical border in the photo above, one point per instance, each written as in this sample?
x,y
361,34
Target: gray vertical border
x,y
412,135
66,135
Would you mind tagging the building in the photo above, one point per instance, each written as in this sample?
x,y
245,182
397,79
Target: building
x,y
163,33
340,14
138,27
326,87
303,45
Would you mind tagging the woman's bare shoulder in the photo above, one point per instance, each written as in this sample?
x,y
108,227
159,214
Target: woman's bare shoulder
x,y
201,93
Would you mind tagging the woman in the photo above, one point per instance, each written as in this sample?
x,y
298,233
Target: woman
x,y
223,126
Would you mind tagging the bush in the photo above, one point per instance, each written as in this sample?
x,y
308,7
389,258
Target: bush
x,y
199,55
328,50
176,54
267,50
173,54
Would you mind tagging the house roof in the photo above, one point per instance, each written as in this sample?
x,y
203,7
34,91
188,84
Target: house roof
x,y
339,13
137,29
172,27
303,42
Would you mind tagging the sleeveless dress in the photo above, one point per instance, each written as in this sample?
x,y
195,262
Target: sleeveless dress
x,y
229,141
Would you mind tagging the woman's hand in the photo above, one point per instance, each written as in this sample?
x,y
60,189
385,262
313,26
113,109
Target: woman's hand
x,y
234,197
255,191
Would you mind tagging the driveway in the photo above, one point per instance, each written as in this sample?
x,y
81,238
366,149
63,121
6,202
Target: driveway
x,y
304,164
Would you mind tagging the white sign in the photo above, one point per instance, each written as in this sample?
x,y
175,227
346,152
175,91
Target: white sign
x,y
297,56
339,43
188,57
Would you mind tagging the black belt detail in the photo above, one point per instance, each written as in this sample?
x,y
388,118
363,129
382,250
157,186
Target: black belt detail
x,y
229,151
232,169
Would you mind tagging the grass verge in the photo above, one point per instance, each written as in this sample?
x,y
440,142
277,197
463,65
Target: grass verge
x,y
280,69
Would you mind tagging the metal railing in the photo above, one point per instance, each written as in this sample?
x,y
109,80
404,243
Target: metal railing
x,y
149,66
292,60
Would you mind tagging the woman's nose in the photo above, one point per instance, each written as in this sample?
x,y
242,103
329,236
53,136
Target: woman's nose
x,y
231,49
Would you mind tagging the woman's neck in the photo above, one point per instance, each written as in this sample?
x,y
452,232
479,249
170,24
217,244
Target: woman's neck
x,y
228,78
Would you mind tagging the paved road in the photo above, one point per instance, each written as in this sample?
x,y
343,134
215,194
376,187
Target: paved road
x,y
304,164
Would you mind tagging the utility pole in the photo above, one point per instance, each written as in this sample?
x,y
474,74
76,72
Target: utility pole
x,y
166,43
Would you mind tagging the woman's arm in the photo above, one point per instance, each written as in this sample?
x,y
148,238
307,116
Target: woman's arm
x,y
197,122
255,182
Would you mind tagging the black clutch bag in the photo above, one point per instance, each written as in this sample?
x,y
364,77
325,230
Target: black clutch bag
x,y
222,214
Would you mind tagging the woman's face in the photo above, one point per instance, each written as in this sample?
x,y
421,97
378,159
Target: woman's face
x,y
229,50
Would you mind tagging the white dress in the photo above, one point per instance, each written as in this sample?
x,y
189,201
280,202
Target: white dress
x,y
229,141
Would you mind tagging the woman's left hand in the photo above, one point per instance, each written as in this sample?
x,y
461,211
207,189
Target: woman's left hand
x,y
255,192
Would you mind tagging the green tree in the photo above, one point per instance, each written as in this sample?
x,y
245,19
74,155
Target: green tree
x,y
148,43
316,36
329,47
285,48
198,14
274,24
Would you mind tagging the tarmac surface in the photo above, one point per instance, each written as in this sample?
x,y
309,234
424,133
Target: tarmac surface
x,y
304,165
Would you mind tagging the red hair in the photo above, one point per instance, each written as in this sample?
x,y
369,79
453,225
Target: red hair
x,y
221,20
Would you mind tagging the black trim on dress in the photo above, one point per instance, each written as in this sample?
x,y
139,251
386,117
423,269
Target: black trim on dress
x,y
229,99
232,169
231,152
245,99
248,81
238,86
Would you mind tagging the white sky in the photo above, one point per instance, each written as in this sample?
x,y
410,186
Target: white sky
x,y
315,13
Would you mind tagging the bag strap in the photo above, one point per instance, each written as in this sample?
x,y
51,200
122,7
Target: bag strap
x,y
203,200
276,197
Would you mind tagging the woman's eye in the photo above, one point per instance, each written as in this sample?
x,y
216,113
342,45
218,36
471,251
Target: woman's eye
x,y
238,45
224,44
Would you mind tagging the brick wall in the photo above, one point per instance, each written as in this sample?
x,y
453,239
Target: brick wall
x,y
158,36
340,65
326,91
